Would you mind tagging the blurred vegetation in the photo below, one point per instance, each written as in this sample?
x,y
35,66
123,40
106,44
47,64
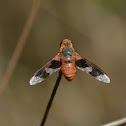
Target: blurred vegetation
x,y
118,6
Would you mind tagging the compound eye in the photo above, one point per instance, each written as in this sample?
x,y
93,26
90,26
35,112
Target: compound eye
x,y
61,43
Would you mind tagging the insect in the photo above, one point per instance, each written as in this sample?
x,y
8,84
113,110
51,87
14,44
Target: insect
x,y
67,60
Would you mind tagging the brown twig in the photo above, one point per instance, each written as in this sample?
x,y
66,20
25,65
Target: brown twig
x,y
121,122
51,99
19,47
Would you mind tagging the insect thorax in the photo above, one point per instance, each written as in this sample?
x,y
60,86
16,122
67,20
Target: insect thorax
x,y
67,52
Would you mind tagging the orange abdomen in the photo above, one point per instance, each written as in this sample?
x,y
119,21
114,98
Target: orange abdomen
x,y
69,70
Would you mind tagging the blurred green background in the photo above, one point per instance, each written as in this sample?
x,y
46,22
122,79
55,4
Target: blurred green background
x,y
98,31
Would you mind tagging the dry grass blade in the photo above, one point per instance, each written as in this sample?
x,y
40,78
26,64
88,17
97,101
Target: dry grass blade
x,y
19,47
121,122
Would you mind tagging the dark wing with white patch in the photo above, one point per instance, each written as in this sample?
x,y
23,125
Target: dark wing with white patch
x,y
85,65
48,69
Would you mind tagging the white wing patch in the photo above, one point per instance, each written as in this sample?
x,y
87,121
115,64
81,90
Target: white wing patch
x,y
86,69
104,78
46,72
51,71
34,80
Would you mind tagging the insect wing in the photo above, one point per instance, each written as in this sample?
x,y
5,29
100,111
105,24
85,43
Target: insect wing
x,y
90,68
48,69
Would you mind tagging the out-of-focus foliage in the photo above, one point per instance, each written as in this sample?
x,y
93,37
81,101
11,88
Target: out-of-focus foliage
x,y
115,5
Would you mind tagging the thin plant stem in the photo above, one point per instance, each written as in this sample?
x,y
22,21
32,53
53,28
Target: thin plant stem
x,y
19,47
51,99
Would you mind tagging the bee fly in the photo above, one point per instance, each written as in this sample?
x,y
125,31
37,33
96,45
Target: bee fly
x,y
67,60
